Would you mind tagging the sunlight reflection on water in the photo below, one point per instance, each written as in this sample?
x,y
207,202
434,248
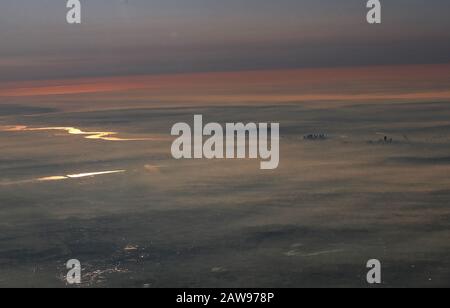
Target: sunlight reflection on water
x,y
63,177
107,136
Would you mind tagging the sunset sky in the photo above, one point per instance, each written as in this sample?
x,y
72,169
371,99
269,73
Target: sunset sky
x,y
136,37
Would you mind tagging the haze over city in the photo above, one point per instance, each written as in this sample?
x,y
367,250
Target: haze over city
x,y
86,170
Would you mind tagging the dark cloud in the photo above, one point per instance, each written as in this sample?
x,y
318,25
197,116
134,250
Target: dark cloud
x,y
155,37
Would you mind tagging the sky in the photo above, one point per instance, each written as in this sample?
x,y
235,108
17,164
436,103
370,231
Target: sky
x,y
141,37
